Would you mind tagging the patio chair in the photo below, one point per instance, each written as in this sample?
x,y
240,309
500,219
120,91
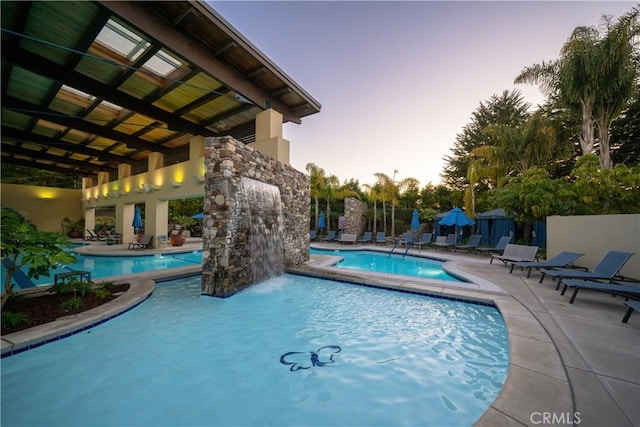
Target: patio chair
x,y
625,289
448,242
607,268
381,237
143,243
95,236
425,240
498,248
472,243
516,253
366,237
331,235
313,235
563,259
633,305
348,238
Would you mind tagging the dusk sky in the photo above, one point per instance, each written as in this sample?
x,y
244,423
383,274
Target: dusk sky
x,y
399,80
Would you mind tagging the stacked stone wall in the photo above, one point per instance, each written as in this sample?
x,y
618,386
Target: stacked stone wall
x,y
354,213
227,262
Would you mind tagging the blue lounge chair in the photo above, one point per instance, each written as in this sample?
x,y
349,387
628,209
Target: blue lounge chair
x,y
366,237
19,277
313,235
625,289
607,268
563,259
331,235
450,241
498,248
425,240
472,243
381,237
516,253
633,305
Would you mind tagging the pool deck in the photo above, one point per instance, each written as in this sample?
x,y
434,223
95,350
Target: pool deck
x,y
569,363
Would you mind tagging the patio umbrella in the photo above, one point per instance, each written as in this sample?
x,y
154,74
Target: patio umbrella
x,y
415,220
321,222
456,217
198,216
137,221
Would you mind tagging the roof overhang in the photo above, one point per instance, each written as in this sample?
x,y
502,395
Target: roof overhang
x,y
74,101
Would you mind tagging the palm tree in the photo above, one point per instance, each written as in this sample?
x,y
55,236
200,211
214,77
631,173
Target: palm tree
x,y
329,193
316,184
594,75
374,193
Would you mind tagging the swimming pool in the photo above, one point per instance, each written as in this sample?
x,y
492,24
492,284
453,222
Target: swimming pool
x,y
289,351
383,262
106,266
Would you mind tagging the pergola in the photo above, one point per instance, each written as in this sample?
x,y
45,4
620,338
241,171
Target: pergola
x,y
89,85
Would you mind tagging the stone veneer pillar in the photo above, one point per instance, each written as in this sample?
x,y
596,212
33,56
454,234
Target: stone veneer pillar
x,y
354,211
226,253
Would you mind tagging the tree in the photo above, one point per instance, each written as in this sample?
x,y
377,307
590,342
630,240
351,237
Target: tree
x,y
625,134
508,109
606,191
316,186
534,195
374,193
24,245
595,74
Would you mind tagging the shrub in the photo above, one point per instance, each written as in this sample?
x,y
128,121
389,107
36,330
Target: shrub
x,y
10,319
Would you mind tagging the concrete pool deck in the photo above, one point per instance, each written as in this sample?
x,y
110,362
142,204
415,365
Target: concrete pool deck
x,y
569,363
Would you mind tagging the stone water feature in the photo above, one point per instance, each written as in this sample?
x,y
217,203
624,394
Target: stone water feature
x,y
256,217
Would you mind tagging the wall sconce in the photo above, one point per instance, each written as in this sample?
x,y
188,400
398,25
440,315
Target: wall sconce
x,y
149,187
199,178
46,199
176,184
114,193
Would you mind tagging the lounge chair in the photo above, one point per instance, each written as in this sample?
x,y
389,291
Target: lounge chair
x,y
563,259
331,235
425,240
94,236
498,248
625,289
366,237
472,243
313,235
516,253
607,268
348,238
143,243
633,305
449,241
381,237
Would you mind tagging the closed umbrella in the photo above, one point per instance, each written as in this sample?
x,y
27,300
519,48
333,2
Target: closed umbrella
x,y
415,220
137,221
321,222
456,217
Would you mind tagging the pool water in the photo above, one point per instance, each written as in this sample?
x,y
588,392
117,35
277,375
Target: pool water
x,y
289,351
398,264
105,266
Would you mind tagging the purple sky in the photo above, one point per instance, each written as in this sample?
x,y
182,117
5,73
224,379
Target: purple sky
x,y
399,80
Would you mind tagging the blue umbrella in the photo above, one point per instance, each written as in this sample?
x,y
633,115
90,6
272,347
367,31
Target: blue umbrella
x,y
137,221
456,217
415,220
198,216
321,223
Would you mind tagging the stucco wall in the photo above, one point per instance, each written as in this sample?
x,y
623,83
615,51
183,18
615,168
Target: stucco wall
x,y
595,235
45,207
227,261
